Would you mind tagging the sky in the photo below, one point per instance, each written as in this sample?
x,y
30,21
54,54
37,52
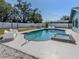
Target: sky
x,y
52,10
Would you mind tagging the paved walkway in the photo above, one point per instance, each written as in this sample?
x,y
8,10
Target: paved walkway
x,y
47,49
10,53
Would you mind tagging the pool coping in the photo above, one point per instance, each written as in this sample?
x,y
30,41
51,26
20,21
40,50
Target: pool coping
x,y
60,45
42,29
71,41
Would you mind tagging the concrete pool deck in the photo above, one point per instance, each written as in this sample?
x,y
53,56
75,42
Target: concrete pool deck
x,y
47,49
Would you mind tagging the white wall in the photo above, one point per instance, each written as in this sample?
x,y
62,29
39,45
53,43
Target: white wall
x,y
62,25
15,25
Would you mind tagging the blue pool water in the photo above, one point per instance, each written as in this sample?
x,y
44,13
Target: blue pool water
x,y
42,35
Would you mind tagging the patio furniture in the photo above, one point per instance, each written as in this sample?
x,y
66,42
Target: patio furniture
x,y
7,36
1,37
64,38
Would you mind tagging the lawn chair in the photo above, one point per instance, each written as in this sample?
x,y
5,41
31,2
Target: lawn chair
x,y
7,36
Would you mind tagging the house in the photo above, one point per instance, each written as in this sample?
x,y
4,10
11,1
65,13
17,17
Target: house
x,y
75,19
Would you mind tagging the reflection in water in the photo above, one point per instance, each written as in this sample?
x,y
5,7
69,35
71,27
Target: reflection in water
x,y
42,35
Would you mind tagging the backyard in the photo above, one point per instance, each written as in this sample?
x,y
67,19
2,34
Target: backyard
x,y
39,29
20,29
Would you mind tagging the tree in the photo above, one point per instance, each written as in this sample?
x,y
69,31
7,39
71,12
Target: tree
x,y
5,9
26,13
23,9
2,3
35,16
65,18
20,12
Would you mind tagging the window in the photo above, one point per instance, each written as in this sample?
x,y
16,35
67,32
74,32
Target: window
x,y
76,23
73,23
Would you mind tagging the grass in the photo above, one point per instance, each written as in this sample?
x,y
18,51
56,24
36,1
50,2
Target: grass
x,y
2,31
27,28
20,29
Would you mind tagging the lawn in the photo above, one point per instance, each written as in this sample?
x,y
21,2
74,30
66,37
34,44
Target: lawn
x,y
2,31
20,29
27,28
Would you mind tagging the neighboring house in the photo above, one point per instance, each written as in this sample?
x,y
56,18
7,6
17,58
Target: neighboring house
x,y
75,18
60,24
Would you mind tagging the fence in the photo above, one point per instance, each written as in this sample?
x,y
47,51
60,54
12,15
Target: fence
x,y
61,25
17,25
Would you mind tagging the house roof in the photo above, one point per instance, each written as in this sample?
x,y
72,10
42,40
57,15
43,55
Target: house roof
x,y
76,8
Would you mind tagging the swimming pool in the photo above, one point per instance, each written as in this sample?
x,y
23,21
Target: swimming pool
x,y
42,35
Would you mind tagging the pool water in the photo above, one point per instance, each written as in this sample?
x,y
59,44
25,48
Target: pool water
x,y
42,35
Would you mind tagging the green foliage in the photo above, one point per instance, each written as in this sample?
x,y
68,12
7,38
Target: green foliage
x,y
36,16
5,9
46,24
65,18
20,12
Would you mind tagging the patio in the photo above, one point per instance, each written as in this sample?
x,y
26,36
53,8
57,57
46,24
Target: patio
x,y
48,49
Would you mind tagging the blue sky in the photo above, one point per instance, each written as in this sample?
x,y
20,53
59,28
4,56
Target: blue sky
x,y
52,10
